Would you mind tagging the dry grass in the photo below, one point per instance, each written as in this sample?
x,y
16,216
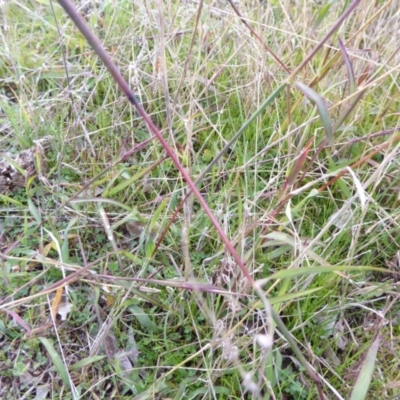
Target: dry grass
x,y
80,238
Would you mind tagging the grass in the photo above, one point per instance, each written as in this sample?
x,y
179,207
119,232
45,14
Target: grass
x,y
95,305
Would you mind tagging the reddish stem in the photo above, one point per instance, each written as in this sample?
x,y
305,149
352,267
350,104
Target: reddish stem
x,y
115,72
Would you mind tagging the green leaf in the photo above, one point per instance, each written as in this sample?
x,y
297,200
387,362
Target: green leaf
x,y
288,297
291,273
321,107
149,246
364,378
321,15
65,244
349,67
123,185
100,200
132,216
85,362
34,211
143,319
10,200
15,165
132,257
341,182
156,215
141,295
57,361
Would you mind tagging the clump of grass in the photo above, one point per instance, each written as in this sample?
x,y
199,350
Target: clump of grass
x,y
112,290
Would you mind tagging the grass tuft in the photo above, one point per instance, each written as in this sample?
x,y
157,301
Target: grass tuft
x,y
114,280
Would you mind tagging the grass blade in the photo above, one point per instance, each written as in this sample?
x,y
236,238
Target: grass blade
x,y
349,66
125,184
57,361
291,273
321,15
101,200
34,211
322,109
85,362
364,378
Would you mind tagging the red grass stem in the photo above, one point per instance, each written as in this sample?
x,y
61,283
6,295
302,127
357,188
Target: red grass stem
x,y
115,72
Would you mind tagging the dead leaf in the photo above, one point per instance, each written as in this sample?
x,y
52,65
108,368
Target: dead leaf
x,y
56,302
64,310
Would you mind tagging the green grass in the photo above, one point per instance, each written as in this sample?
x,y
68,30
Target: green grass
x,y
134,329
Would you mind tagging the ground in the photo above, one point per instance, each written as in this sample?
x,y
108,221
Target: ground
x,y
287,118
